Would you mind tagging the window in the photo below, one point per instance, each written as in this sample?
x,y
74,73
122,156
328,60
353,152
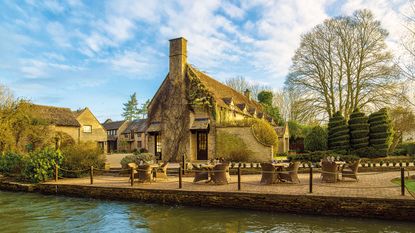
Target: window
x,y
132,134
87,128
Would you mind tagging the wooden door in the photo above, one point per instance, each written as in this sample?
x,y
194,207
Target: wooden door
x,y
202,145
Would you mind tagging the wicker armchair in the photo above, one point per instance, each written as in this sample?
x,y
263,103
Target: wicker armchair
x,y
292,175
200,173
219,173
161,172
329,172
268,173
144,173
350,170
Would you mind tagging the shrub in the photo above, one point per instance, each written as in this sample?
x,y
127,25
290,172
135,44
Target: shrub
x,y
232,147
319,155
11,163
41,163
137,158
316,139
407,148
82,156
265,133
380,132
338,133
359,130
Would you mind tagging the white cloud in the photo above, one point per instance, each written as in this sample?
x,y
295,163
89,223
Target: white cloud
x,y
58,34
140,65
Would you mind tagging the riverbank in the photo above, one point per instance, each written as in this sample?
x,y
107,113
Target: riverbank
x,y
279,198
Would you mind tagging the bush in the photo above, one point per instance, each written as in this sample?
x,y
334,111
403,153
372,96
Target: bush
x,y
316,156
380,132
231,147
11,163
82,156
406,148
316,139
359,130
137,158
338,133
265,133
41,163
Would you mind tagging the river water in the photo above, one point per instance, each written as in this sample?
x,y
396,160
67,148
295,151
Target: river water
x,y
28,212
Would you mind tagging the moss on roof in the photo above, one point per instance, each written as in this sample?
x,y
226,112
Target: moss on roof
x,y
54,115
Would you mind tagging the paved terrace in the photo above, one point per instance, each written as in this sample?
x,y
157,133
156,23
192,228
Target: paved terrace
x,y
370,184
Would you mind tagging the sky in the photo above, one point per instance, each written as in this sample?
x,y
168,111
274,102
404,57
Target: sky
x,y
97,53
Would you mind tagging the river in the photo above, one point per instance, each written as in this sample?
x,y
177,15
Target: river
x,y
30,212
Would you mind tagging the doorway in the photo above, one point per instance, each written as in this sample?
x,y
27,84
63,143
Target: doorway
x,y
202,145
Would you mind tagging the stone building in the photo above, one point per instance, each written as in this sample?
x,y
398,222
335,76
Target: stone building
x,y
188,106
134,136
283,138
91,129
114,130
81,126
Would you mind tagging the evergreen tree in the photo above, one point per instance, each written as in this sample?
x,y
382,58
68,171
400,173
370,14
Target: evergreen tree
x,y
131,110
316,139
265,98
381,131
338,135
144,109
359,130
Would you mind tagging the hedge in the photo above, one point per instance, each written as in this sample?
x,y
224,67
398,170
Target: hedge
x,y
359,130
316,139
380,131
338,133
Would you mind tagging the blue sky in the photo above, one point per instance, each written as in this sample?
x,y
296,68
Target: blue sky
x,y
96,53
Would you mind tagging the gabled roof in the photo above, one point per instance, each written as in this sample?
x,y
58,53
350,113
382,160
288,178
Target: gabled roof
x,y
139,126
113,125
54,115
78,112
224,94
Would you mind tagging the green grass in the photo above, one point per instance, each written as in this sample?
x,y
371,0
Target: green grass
x,y
409,183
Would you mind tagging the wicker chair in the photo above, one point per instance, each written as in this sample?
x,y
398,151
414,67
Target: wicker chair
x,y
161,172
219,173
328,171
144,173
134,166
268,173
351,170
292,175
200,173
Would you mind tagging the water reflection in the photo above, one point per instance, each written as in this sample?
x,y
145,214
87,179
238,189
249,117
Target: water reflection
x,y
22,212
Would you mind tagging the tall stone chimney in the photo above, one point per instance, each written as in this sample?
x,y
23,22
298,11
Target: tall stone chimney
x,y
178,58
247,93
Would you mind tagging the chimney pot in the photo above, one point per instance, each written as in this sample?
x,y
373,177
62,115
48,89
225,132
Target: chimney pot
x,y
247,93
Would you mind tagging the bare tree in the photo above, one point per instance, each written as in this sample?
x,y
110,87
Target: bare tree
x,y
240,84
407,61
343,64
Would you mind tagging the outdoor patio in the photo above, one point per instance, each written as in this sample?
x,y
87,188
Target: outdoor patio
x,y
370,185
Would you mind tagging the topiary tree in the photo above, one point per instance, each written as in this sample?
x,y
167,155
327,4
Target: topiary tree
x,y
338,135
359,130
381,132
316,139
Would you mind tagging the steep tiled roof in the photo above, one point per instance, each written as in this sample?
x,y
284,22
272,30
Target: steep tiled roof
x,y
224,94
54,115
139,126
112,125
77,113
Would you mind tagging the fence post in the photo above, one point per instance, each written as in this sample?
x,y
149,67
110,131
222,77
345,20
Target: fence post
x,y
132,176
180,177
311,179
91,174
239,178
403,181
56,173
183,170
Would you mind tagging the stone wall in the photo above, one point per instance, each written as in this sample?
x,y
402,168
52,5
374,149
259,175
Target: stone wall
x,y
396,209
71,131
261,152
98,133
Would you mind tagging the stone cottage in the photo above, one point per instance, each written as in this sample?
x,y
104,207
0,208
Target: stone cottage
x,y
91,129
187,108
134,136
114,130
81,126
